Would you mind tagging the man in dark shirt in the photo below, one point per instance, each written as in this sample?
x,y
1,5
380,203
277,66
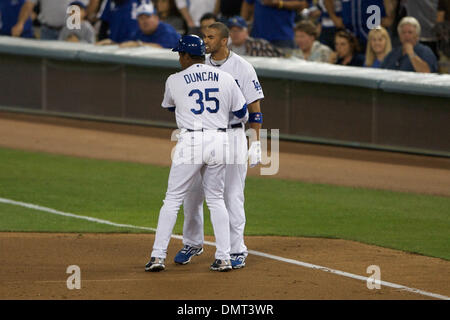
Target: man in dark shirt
x,y
411,56
152,31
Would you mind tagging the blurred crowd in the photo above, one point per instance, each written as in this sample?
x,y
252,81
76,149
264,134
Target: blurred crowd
x,y
407,35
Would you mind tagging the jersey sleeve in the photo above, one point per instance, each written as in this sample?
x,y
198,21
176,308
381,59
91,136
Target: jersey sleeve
x,y
168,101
238,102
251,88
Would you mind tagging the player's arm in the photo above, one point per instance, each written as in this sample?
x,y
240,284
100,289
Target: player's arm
x,y
255,122
24,14
168,101
329,5
242,113
238,104
255,117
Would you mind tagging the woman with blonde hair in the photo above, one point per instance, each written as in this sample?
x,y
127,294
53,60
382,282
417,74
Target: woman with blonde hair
x,y
379,45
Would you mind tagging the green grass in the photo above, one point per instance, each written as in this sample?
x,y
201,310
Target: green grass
x,y
131,193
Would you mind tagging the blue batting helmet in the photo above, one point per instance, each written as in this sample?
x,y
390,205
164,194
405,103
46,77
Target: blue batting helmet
x,y
191,44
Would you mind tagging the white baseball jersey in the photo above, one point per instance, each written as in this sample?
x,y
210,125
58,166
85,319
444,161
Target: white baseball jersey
x,y
247,80
245,76
203,95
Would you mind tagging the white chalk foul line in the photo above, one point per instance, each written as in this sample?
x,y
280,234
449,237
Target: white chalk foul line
x,y
253,252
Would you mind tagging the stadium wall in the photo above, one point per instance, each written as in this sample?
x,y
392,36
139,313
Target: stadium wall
x,y
307,101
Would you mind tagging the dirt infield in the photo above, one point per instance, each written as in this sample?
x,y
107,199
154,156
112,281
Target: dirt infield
x,y
299,161
34,265
112,268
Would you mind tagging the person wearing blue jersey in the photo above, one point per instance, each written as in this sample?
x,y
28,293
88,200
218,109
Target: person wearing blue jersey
x,y
120,15
358,16
152,31
273,20
9,15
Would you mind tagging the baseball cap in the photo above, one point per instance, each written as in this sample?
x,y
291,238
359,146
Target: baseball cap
x,y
146,8
79,3
237,21
191,44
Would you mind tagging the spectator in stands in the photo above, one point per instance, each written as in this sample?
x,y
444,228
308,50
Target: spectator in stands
x,y
206,20
411,55
273,20
152,31
346,50
52,17
168,13
425,12
85,33
443,35
356,15
328,27
9,14
309,48
243,44
378,47
120,16
192,11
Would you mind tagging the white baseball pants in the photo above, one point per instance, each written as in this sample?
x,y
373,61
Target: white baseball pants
x,y
235,173
210,167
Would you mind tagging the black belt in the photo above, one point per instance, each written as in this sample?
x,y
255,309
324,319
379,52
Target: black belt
x,y
236,125
220,129
52,27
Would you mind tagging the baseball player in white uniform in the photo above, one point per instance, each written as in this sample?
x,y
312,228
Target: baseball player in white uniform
x,y
202,98
216,38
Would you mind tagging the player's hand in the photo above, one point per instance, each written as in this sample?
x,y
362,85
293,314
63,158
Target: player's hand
x,y
17,30
254,154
